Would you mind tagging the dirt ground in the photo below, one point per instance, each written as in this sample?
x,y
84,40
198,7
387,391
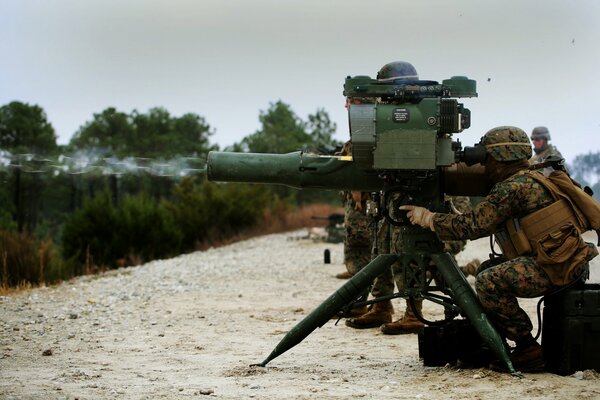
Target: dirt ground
x,y
189,327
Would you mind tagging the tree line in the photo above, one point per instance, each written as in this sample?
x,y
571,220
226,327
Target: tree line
x,y
53,226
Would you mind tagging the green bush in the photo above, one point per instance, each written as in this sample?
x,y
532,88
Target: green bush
x,y
138,230
93,231
209,212
148,229
57,268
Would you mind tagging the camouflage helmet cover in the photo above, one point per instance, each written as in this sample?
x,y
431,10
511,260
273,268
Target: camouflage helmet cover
x,y
540,132
507,143
397,70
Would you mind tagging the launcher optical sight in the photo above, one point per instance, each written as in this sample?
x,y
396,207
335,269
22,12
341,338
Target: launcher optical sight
x,y
406,125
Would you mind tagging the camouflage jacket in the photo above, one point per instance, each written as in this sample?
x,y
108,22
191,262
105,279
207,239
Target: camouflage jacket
x,y
462,204
549,151
516,196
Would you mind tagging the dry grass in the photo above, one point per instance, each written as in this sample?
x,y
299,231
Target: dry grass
x,y
8,290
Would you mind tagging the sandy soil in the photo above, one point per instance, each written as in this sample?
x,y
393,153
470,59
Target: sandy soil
x,y
189,327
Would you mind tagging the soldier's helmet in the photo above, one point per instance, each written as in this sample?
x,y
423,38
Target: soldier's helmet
x,y
507,143
540,132
397,70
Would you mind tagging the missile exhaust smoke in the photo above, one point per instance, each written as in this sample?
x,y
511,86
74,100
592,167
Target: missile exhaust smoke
x,y
95,162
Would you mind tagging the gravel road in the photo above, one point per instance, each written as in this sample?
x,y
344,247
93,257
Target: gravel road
x,y
189,327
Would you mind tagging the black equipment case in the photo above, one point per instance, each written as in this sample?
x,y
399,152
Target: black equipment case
x,y
571,330
456,343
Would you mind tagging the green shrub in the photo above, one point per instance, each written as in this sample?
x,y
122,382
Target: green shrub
x,y
57,268
209,212
92,231
104,235
148,229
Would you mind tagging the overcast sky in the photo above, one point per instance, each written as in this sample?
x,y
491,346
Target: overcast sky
x,y
535,62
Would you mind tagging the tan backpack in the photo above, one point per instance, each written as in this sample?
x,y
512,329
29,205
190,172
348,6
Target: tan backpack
x,y
553,233
585,207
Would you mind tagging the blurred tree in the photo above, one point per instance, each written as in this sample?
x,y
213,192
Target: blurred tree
x,y
110,130
192,133
7,207
155,134
321,129
24,128
281,132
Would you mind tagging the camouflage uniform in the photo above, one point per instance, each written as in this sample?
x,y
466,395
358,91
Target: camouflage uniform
x,y
516,194
547,151
357,240
462,205
498,287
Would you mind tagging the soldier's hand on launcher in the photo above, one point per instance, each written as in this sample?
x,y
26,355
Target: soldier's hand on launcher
x,y
419,216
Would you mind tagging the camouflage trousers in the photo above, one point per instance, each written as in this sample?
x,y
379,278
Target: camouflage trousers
x,y
388,239
356,257
388,242
384,283
357,240
498,288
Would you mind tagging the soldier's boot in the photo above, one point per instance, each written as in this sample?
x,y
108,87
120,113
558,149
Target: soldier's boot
x,y
380,313
471,267
529,358
407,324
344,275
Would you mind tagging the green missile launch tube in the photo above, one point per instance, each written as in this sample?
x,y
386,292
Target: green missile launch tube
x,y
471,307
297,170
334,303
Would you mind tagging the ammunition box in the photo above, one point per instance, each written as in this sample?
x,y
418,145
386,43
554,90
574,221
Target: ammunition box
x,y
456,343
571,329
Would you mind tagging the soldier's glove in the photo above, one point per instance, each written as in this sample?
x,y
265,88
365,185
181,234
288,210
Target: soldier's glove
x,y
419,216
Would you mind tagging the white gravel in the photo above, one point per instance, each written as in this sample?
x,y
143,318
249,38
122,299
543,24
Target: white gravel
x,y
190,326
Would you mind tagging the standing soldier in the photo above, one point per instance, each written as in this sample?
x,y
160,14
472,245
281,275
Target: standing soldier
x,y
540,137
357,238
381,313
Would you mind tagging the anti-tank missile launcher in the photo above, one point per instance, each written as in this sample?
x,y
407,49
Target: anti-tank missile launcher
x,y
401,135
